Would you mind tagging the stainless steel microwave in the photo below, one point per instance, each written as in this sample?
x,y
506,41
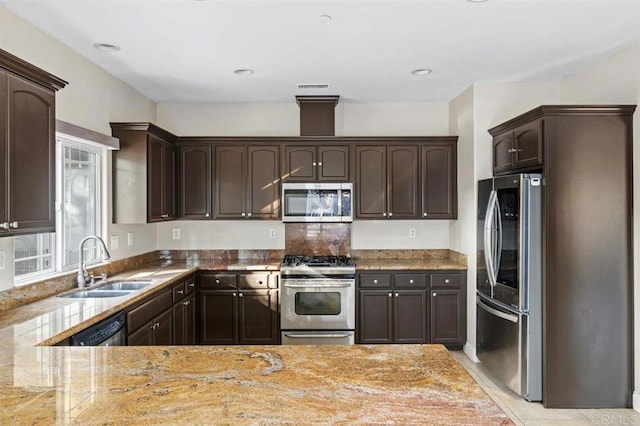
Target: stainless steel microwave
x,y
317,202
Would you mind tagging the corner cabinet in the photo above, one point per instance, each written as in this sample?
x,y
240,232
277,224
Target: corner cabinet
x,y
27,147
143,174
238,308
247,181
406,178
412,307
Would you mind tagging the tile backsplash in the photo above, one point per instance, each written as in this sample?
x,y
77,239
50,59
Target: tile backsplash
x,y
318,239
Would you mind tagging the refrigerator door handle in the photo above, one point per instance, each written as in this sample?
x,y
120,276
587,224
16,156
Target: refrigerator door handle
x,y
498,256
489,239
509,317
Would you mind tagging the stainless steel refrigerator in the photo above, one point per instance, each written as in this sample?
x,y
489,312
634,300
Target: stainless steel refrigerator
x,y
509,281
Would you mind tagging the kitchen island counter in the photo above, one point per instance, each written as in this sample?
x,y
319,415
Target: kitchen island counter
x,y
402,384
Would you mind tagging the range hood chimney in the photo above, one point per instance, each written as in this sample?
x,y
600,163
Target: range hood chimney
x,y
317,115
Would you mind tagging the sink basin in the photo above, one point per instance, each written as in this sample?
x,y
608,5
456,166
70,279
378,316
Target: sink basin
x,y
124,286
97,293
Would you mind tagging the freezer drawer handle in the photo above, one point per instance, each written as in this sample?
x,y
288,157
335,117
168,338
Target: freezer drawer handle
x,y
503,315
301,336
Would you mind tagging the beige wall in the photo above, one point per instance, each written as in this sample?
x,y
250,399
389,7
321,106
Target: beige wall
x,y
616,80
282,119
92,99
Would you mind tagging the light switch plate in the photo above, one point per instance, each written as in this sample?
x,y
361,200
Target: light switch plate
x,y
272,233
175,232
412,232
3,259
129,239
114,242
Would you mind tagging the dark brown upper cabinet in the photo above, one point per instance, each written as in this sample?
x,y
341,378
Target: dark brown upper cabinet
x,y
518,149
313,163
195,181
27,147
439,182
143,174
247,182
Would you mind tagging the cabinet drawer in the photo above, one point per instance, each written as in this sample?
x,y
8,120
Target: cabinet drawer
x,y
257,280
144,313
375,280
179,291
218,281
446,280
410,280
190,283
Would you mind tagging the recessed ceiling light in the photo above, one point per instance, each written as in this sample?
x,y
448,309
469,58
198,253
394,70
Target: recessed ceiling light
x,y
476,1
106,47
421,71
243,71
325,18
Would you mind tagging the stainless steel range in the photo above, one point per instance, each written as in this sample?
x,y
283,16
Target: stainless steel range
x,y
318,300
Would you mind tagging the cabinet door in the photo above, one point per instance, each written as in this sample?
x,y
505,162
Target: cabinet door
x,y
439,182
179,321
141,337
300,163
263,201
527,143
402,169
376,316
258,317
333,163
31,151
155,179
447,318
230,182
502,155
162,329
371,182
194,181
410,316
168,181
4,170
190,319
218,317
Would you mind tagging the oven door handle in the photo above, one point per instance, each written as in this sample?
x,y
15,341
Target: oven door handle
x,y
318,285
302,336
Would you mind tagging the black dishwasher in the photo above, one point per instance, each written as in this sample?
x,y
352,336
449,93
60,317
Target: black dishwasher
x,y
108,332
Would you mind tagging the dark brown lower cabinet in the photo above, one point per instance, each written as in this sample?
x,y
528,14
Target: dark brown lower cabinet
x,y
238,308
446,307
184,318
156,332
412,307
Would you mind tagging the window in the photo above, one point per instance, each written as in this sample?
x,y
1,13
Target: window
x,y
78,213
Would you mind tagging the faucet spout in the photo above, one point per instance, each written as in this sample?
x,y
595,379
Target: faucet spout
x,y
83,276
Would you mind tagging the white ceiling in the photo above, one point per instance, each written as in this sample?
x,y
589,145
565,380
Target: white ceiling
x,y
186,50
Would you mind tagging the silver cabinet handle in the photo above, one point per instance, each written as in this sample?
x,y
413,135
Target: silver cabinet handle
x,y
375,281
424,214
240,295
186,303
320,164
446,281
396,294
5,226
206,215
314,164
217,281
243,215
434,295
384,214
180,291
389,295
513,150
390,214
192,284
410,281
14,225
249,214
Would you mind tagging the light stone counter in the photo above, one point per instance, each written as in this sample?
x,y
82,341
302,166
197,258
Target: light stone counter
x,y
401,384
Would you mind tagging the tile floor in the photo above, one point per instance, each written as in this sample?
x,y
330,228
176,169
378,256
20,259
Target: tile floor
x,y
532,413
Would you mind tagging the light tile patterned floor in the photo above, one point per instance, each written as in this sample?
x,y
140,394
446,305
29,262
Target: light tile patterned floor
x,y
532,413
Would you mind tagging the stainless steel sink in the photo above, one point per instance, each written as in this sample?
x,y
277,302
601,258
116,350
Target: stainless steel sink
x,y
97,293
124,285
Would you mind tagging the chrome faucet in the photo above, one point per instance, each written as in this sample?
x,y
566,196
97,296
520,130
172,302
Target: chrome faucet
x,y
83,275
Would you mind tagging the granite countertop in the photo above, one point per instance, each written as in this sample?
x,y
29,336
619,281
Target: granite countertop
x,y
402,384
51,320
408,264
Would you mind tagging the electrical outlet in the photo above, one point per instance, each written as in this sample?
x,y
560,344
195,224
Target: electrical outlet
x,y
175,232
412,232
272,233
129,239
114,242
3,259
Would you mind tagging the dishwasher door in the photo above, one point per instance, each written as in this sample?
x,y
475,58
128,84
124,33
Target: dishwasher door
x,y
108,332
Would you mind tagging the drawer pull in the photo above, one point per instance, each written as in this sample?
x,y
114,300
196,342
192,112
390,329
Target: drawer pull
x,y
180,291
434,295
192,284
410,281
447,281
375,281
217,281
186,303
